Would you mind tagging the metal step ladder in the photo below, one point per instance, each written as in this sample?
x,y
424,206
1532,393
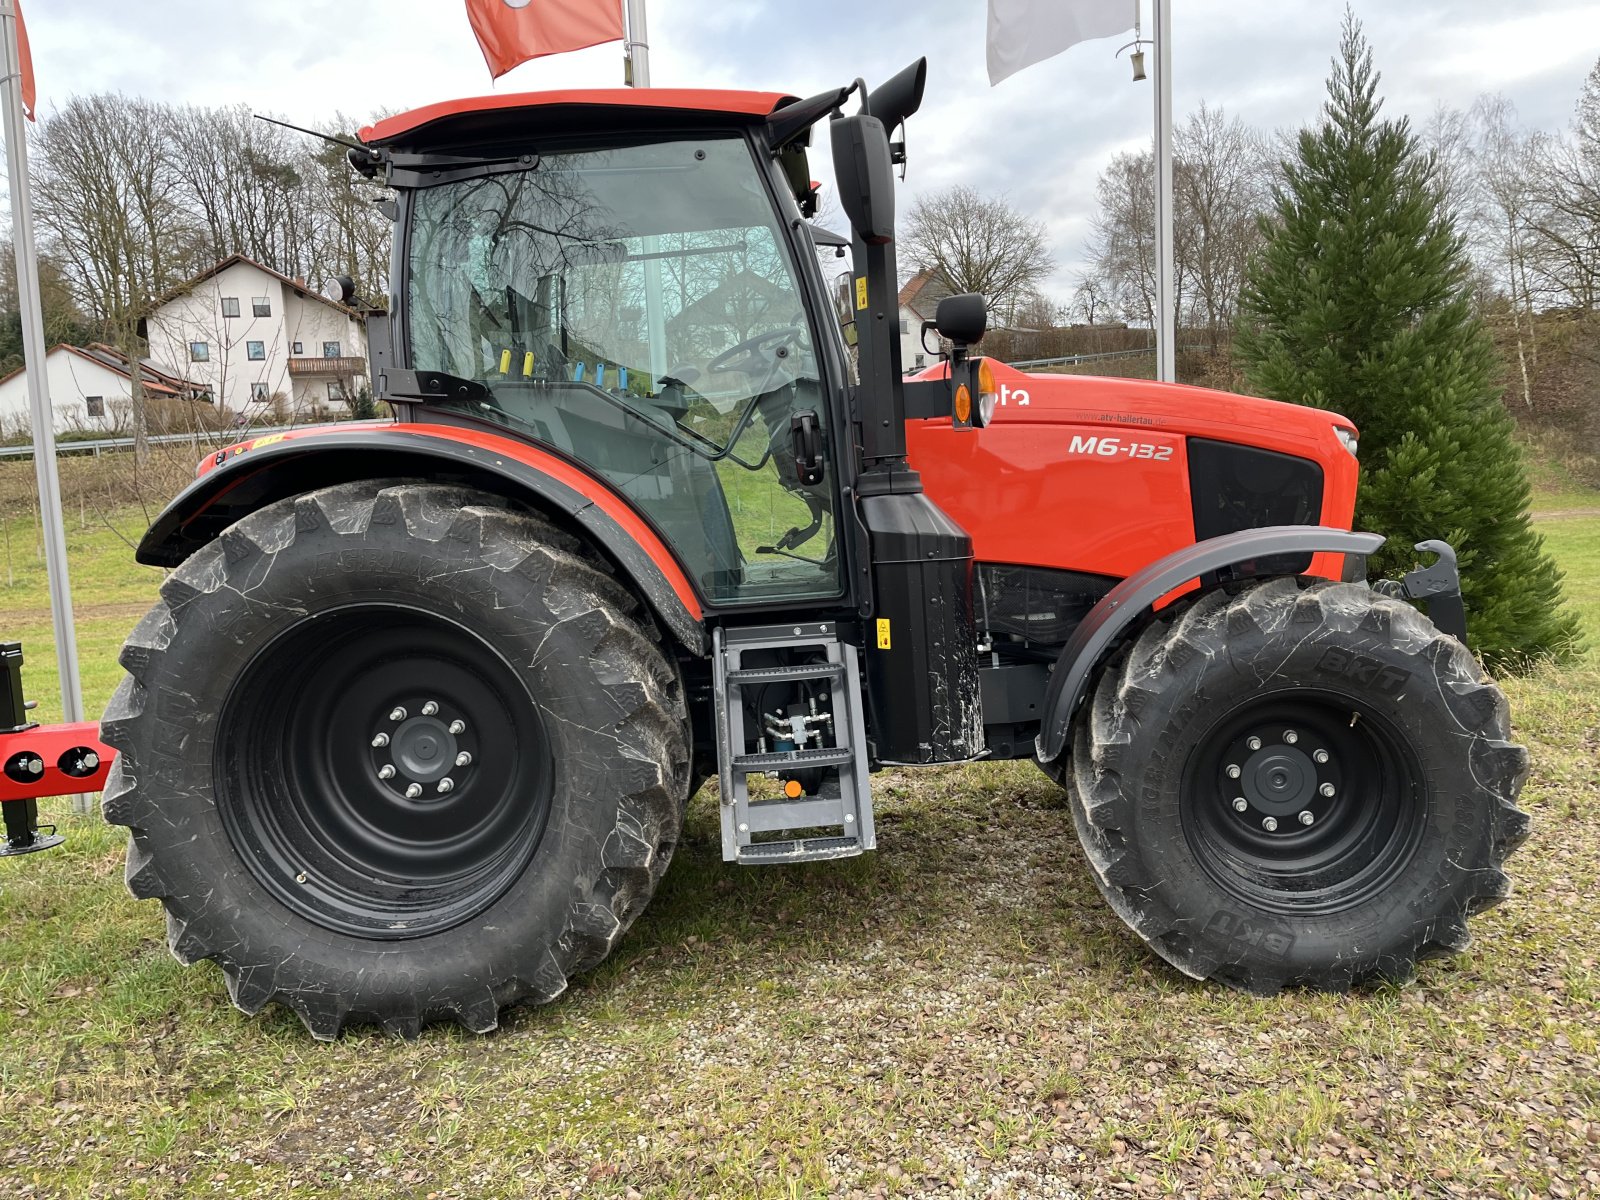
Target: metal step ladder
x,y
827,741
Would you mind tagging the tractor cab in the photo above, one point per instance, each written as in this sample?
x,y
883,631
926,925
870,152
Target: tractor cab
x,y
630,283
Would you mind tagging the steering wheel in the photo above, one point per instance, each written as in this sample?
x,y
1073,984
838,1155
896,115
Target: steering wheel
x,y
746,356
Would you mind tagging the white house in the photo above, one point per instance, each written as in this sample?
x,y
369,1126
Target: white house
x,y
918,300
260,340
91,390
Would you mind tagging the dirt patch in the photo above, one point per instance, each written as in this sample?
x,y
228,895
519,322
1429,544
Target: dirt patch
x,y
1563,514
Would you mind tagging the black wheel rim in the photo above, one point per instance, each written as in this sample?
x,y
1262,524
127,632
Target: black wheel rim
x,y
1302,802
383,771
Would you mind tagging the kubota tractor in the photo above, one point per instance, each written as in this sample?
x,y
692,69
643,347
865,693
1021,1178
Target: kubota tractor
x,y
410,734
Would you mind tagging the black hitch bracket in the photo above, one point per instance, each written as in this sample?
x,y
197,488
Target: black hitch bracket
x,y
1438,586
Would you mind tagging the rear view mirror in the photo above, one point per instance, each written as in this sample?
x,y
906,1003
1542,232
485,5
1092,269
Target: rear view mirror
x,y
866,176
963,319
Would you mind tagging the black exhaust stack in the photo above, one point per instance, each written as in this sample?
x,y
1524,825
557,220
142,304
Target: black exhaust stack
x,y
922,667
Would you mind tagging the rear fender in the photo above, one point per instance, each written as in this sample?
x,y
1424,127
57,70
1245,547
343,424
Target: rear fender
x,y
241,479
1131,600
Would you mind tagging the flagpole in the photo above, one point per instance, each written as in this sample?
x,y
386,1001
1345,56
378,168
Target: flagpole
x,y
638,44
34,352
1166,270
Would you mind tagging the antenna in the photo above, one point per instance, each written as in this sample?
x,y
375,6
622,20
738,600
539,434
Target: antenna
x,y
327,137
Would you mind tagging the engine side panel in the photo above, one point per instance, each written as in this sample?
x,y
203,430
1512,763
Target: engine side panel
x,y
1092,475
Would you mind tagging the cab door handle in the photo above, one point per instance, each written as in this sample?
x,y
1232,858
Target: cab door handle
x,y
806,434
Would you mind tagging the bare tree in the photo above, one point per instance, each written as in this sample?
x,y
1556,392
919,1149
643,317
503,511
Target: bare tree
x,y
111,208
1566,222
977,243
1220,188
1498,218
1124,245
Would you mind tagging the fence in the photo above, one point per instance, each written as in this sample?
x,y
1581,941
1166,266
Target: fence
x,y
210,439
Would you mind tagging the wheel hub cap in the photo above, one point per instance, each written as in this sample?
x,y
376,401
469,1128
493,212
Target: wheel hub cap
x,y
423,749
1279,780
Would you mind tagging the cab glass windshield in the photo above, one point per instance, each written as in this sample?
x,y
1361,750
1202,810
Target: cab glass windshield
x,y
636,307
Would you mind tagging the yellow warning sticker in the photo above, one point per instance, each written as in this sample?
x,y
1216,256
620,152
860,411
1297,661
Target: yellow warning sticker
x,y
883,633
861,293
268,441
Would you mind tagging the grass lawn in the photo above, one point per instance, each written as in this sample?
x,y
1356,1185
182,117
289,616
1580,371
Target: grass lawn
x,y
958,1014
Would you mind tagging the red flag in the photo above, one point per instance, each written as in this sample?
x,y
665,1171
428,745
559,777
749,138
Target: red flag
x,y
513,31
30,92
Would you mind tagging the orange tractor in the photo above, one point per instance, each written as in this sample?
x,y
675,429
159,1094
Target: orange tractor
x,y
410,733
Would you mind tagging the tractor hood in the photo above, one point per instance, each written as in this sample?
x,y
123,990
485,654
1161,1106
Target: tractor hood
x,y
1168,408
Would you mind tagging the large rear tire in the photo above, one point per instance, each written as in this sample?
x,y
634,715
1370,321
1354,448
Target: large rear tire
x,y
392,753
1303,784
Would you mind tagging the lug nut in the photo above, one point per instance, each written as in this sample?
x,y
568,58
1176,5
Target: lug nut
x,y
1240,804
413,791
1290,736
429,709
1327,789
1307,816
397,714
1233,771
458,727
386,771
447,784
1253,742
1320,755
1270,824
463,759
380,741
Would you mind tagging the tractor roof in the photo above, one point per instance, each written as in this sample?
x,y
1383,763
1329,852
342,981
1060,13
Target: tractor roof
x,y
488,118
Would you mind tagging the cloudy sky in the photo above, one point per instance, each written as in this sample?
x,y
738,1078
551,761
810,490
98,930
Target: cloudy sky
x,y
1040,138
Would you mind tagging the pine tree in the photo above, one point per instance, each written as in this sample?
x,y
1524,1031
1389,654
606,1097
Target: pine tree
x,y
1359,302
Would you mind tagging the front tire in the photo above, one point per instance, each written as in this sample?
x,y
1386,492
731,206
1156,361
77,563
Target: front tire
x,y
1303,784
392,753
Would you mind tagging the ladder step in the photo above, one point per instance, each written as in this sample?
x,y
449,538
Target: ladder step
x,y
774,674
800,850
779,759
820,812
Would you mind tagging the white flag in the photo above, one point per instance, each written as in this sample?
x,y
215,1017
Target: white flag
x,y
1023,32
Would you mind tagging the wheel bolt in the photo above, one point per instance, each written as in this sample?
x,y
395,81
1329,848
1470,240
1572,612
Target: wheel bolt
x,y
397,714
413,791
463,759
1233,771
1320,755
1307,816
1253,742
1290,737
458,727
1240,804
1270,824
429,709
1327,789
447,784
386,771
380,741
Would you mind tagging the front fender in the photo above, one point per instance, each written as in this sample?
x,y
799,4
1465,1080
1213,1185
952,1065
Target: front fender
x,y
243,478
1131,599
